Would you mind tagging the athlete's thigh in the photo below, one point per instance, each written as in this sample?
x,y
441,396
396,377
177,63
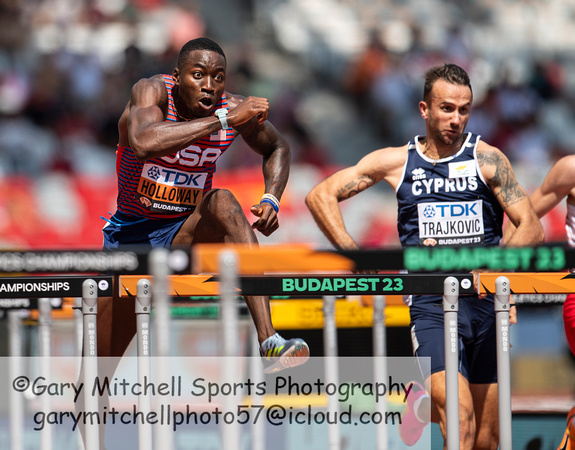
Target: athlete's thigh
x,y
218,218
200,227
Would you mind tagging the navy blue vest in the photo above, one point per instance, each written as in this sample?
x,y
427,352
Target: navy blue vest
x,y
446,201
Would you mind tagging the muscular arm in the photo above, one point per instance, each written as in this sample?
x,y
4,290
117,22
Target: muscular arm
x,y
149,135
262,137
265,140
323,200
557,185
500,177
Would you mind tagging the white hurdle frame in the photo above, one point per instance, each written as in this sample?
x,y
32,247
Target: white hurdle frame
x,y
230,433
451,308
15,369
45,337
331,368
143,308
380,363
159,267
451,343
502,328
90,359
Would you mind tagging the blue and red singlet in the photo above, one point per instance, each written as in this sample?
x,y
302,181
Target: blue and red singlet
x,y
170,186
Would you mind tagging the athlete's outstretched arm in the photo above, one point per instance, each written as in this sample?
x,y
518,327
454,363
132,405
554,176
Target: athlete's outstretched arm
x,y
499,174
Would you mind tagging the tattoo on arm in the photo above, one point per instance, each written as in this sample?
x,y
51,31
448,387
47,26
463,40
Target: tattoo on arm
x,y
354,187
503,183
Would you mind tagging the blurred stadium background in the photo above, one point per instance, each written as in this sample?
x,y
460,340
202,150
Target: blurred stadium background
x,y
343,77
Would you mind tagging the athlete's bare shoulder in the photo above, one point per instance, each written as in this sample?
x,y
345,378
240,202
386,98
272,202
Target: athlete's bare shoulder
x,y
490,159
561,178
234,99
499,174
385,164
149,91
566,166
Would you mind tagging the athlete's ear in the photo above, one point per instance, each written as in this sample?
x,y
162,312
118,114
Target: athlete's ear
x,y
423,109
176,75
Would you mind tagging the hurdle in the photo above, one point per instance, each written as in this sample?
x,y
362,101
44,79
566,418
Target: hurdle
x,y
256,285
451,294
24,289
251,284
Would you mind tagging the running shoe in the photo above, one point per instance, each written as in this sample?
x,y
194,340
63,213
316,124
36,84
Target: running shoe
x,y
279,354
416,414
568,441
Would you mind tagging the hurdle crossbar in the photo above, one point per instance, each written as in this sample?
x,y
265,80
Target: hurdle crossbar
x,y
301,258
314,285
381,284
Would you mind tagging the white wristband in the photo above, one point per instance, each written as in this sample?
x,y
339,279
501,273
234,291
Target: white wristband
x,y
221,114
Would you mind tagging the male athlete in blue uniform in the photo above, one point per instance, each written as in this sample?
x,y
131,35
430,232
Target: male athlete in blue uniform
x,y
452,189
171,134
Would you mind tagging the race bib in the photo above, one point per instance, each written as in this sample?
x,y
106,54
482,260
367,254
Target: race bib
x,y
170,190
451,223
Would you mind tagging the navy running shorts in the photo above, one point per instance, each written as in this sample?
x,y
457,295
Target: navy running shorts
x,y
477,338
124,230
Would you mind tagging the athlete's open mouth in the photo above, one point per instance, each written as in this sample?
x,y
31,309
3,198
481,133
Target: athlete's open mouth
x,y
206,101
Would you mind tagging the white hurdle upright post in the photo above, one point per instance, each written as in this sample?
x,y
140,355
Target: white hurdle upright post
x,y
331,368
502,305
160,270
79,337
230,433
257,375
15,370
90,360
451,337
45,336
143,307
380,363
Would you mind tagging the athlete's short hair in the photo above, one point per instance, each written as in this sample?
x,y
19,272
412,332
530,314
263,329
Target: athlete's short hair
x,y
451,73
202,43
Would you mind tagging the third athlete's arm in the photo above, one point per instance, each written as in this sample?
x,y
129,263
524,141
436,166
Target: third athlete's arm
x,y
499,175
557,185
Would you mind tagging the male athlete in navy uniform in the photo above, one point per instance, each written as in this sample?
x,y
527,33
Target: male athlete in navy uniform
x,y
171,134
452,189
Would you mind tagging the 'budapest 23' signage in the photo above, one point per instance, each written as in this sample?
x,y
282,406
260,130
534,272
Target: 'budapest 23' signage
x,y
317,285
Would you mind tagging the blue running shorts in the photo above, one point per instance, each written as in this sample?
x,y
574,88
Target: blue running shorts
x,y
477,338
124,230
